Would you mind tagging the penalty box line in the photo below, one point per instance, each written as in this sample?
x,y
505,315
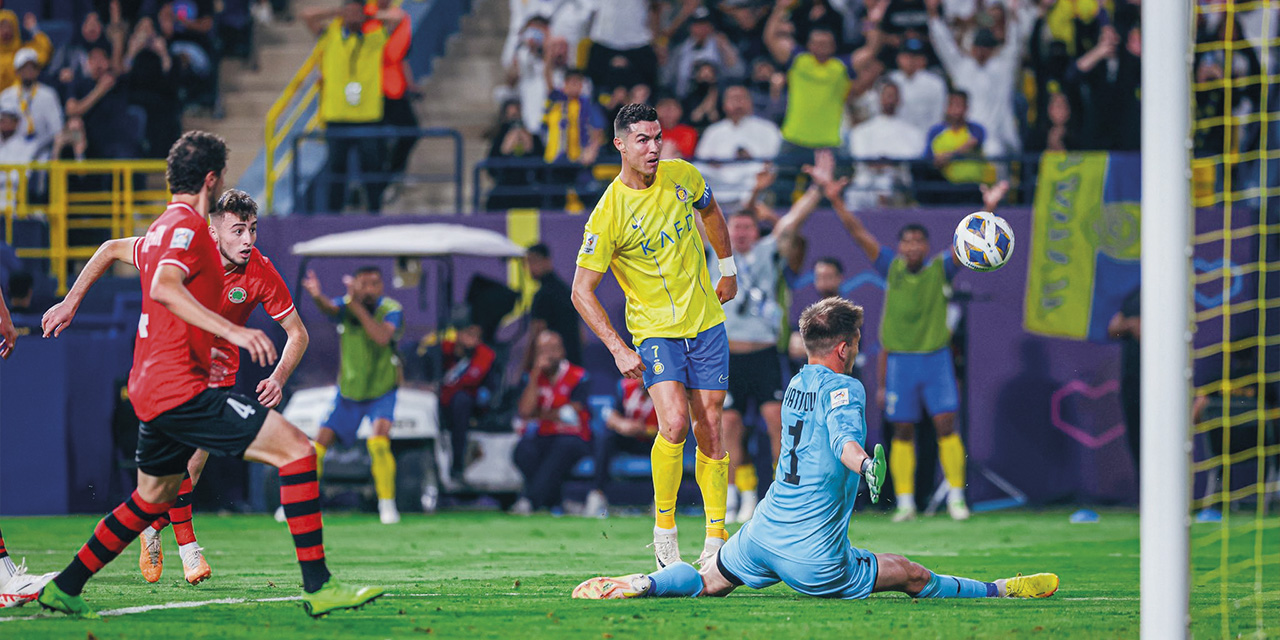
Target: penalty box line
x,y
192,604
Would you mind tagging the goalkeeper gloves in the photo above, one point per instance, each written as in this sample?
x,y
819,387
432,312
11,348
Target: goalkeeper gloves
x,y
873,471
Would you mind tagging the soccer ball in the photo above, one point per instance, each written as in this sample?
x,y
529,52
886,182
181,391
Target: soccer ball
x,y
983,241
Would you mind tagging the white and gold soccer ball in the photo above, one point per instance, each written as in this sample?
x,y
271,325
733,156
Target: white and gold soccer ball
x,y
983,241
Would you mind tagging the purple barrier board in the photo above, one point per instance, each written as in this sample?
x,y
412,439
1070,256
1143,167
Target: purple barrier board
x,y
1044,412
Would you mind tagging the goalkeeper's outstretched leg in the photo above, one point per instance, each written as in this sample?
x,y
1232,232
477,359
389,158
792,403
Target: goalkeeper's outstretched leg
x,y
893,573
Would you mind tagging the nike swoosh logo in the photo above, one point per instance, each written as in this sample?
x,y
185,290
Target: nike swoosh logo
x,y
665,510
715,521
724,379
639,221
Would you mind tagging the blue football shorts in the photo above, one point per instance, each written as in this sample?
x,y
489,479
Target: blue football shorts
x,y
701,362
915,380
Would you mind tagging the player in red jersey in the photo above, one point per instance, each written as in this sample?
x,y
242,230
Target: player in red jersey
x,y
179,412
249,280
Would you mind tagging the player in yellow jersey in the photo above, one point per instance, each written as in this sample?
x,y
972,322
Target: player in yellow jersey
x,y
645,229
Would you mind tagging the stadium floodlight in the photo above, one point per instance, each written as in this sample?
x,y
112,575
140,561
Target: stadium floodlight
x,y
1166,323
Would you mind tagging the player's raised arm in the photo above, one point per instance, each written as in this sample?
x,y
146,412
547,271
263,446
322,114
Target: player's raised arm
x,y
588,305
788,228
168,290
853,224
271,389
718,235
59,316
311,284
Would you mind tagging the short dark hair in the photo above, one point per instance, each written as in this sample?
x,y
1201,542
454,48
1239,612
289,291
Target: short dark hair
x,y
541,250
573,72
368,268
631,114
832,262
237,203
914,226
959,93
195,155
828,322
818,30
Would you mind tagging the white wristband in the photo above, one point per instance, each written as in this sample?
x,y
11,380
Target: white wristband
x,y
727,267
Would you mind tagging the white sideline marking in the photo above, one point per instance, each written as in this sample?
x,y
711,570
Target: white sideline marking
x,y
201,603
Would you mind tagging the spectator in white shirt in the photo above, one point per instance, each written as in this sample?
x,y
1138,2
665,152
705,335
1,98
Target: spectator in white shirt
x,y
40,110
987,73
528,73
521,12
874,143
740,136
14,149
922,93
622,50
704,44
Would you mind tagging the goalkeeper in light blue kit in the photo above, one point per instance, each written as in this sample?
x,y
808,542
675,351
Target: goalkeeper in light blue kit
x,y
800,532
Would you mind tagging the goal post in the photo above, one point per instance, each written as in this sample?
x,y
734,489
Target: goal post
x,y
1166,319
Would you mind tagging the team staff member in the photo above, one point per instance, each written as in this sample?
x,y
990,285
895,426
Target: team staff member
x,y
368,326
644,229
919,372
351,93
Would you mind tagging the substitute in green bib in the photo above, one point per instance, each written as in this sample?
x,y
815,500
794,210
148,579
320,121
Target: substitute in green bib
x,y
351,48
369,324
918,372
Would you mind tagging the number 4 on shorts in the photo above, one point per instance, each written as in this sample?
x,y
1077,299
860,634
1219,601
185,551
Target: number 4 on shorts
x,y
241,408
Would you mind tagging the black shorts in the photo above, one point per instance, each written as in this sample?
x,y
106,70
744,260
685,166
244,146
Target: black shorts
x,y
217,420
755,376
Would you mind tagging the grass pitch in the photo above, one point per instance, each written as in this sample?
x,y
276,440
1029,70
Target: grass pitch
x,y
488,575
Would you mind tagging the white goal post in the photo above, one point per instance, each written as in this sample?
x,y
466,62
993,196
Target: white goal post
x,y
1166,320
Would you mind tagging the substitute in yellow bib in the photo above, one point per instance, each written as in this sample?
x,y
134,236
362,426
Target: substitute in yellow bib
x,y
351,51
645,230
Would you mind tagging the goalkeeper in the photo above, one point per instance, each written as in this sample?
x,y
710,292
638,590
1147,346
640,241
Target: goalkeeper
x,y
800,532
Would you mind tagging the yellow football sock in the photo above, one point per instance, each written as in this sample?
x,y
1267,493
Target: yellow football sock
x,y
713,479
383,466
902,465
951,453
745,479
667,460
320,451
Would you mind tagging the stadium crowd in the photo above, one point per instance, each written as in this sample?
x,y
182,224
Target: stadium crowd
x,y
104,79
916,91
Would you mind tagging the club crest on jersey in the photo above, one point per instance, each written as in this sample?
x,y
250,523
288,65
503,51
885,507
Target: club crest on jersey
x,y
237,295
682,194
589,241
839,398
181,238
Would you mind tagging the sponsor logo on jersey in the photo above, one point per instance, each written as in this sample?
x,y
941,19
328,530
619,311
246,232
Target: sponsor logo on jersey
x,y
181,238
839,398
237,295
589,241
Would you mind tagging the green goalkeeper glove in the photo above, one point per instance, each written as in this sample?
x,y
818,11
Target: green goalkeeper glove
x,y
873,471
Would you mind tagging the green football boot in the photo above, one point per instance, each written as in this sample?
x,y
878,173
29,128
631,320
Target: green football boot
x,y
334,596
54,599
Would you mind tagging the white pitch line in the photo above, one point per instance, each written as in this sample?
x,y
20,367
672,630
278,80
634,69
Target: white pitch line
x,y
202,603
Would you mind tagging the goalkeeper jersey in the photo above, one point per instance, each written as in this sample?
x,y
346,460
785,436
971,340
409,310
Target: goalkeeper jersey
x,y
805,514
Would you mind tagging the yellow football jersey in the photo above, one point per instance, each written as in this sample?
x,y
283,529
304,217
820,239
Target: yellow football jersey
x,y
650,240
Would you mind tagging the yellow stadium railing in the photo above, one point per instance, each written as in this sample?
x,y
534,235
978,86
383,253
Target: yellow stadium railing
x,y
300,99
118,197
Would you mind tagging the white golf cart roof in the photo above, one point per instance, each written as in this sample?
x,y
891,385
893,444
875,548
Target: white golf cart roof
x,y
411,240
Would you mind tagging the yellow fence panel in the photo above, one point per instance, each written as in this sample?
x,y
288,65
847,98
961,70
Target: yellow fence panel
x,y
116,198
